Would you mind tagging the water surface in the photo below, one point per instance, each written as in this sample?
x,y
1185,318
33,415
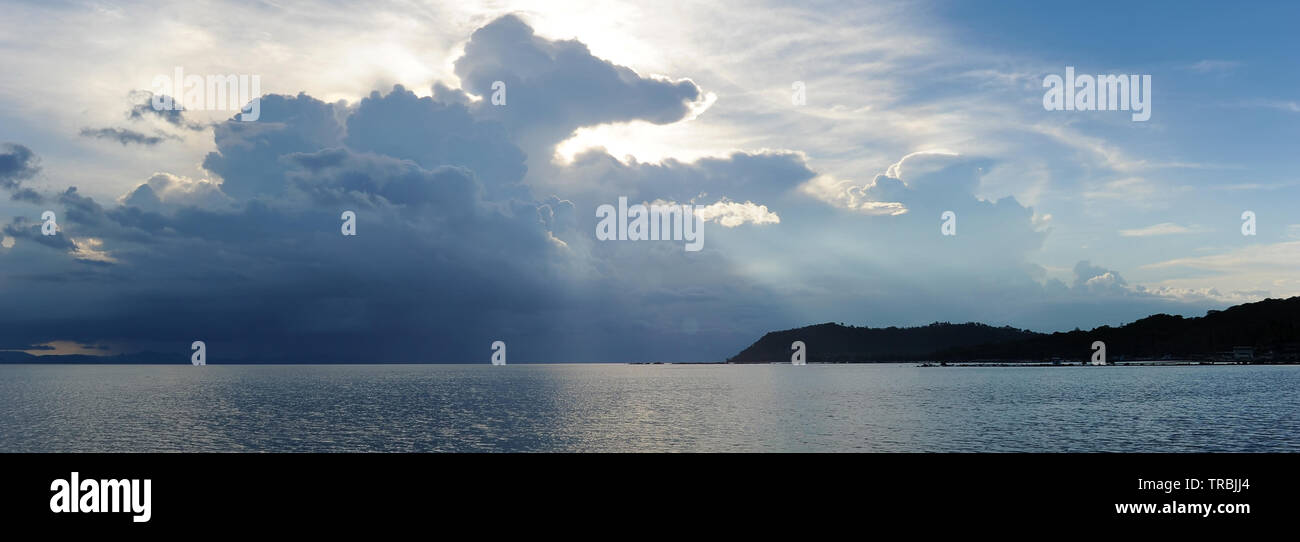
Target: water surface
x,y
615,408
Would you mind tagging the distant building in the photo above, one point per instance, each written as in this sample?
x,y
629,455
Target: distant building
x,y
1289,351
1243,353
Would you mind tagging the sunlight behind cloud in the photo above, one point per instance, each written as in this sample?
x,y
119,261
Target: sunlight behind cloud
x,y
643,141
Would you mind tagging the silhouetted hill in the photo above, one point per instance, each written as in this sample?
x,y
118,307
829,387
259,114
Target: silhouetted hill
x,y
1271,327
836,343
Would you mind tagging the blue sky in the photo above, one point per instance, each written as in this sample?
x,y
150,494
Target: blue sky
x,y
476,222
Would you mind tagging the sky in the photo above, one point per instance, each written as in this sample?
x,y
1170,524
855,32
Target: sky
x,y
821,144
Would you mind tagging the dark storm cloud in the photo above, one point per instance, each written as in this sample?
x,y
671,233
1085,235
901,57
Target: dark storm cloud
x,y
248,153
27,195
556,86
342,178
17,164
761,177
454,249
22,229
81,209
432,134
270,276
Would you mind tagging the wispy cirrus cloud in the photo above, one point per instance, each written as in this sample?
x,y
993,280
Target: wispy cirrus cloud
x,y
1163,228
1263,270
1214,66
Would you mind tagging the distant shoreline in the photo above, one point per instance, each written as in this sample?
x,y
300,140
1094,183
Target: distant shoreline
x,y
1142,363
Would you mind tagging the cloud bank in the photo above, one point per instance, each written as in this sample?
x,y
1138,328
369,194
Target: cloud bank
x,y
467,232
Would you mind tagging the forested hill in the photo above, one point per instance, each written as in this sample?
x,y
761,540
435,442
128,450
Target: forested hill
x,y
838,343
1271,327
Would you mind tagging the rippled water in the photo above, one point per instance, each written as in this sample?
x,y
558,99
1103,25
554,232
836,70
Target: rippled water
x,y
465,408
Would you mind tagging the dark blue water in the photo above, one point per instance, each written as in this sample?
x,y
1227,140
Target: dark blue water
x,y
471,408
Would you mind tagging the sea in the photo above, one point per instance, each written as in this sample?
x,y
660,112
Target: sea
x,y
647,408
